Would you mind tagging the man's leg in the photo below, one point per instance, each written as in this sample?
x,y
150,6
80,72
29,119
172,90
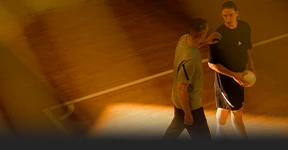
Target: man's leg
x,y
237,122
176,127
221,113
200,128
221,117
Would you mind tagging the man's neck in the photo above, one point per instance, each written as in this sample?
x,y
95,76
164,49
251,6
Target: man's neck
x,y
192,42
232,26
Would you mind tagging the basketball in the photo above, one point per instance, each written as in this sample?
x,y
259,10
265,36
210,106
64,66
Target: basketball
x,y
250,78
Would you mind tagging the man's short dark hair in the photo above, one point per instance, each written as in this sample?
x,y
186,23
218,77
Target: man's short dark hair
x,y
197,26
229,4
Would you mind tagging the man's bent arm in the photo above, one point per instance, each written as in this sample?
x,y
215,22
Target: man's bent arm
x,y
184,98
221,69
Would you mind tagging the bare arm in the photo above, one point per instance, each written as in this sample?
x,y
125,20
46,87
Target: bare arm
x,y
184,98
185,75
221,69
250,64
210,39
184,101
201,45
237,76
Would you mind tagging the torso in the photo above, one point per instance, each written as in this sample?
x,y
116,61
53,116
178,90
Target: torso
x,y
232,48
231,52
184,52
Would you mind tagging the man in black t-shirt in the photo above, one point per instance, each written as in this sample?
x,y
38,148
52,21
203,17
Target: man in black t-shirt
x,y
229,58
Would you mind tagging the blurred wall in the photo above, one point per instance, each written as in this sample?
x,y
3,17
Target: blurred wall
x,y
12,9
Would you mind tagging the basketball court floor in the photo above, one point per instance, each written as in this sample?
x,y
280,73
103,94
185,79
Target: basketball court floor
x,y
103,68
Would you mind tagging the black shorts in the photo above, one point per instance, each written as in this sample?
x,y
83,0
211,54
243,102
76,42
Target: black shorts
x,y
231,99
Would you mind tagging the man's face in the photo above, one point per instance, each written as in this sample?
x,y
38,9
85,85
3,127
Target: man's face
x,y
204,34
229,16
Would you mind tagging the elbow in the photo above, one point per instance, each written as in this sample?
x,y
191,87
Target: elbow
x,y
211,66
182,87
214,67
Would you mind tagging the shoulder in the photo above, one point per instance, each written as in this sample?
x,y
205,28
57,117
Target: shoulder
x,y
184,36
182,39
187,53
220,28
243,24
189,63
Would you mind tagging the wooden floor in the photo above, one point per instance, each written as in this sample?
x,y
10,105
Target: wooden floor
x,y
79,50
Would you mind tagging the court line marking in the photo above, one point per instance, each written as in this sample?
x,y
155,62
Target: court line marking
x,y
147,78
56,121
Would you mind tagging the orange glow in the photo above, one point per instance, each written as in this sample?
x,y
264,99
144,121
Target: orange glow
x,y
133,119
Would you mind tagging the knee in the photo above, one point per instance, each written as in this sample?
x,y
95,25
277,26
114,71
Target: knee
x,y
237,114
221,120
221,116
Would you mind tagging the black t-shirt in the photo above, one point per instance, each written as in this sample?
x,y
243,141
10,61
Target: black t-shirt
x,y
231,52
